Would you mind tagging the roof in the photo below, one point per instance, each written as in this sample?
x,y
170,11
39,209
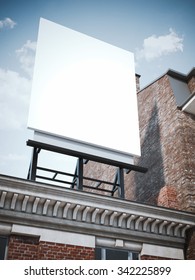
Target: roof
x,y
181,76
174,74
184,98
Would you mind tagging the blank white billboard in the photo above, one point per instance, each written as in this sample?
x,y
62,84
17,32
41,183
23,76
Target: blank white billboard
x,y
84,90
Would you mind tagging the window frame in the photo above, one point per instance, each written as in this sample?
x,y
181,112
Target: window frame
x,y
103,253
4,249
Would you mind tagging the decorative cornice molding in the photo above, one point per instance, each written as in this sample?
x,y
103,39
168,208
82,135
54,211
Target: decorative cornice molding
x,y
27,202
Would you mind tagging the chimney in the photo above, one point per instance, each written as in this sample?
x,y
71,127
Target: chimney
x,y
137,77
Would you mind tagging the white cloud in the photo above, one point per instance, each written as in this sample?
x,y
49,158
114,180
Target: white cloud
x,y
155,47
7,23
26,55
15,90
14,100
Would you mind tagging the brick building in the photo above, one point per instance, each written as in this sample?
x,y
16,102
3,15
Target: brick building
x,y
155,220
167,129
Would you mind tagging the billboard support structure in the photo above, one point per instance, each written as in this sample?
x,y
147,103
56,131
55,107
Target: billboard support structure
x,y
78,177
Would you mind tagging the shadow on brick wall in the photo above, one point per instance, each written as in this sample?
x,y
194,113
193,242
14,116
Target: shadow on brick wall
x,y
148,185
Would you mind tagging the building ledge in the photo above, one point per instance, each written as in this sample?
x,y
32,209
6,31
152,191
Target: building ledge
x,y
24,202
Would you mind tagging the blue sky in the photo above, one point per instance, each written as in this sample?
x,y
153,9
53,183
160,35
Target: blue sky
x,y
159,33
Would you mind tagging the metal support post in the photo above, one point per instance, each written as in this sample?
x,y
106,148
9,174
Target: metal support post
x,y
115,186
80,174
121,188
34,164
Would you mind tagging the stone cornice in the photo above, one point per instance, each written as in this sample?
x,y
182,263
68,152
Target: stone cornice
x,y
26,202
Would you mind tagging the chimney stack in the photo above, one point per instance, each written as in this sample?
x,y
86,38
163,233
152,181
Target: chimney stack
x,y
137,77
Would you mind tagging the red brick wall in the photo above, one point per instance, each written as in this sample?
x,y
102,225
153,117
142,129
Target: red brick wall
x,y
168,150
56,251
23,247
157,117
168,197
29,248
186,190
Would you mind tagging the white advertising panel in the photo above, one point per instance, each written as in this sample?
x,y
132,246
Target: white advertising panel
x,y
84,90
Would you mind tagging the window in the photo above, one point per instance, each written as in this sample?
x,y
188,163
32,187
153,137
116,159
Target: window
x,y
114,254
3,247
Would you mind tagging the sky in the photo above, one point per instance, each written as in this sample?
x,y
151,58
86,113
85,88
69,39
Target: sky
x,y
160,33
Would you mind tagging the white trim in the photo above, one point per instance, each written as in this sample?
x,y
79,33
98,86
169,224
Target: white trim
x,y
5,228
118,243
56,236
162,251
189,107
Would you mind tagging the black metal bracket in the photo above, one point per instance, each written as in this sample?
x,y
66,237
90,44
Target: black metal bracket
x,y
78,178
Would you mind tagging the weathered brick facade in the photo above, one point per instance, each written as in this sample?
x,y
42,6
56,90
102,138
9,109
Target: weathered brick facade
x,y
30,248
168,149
